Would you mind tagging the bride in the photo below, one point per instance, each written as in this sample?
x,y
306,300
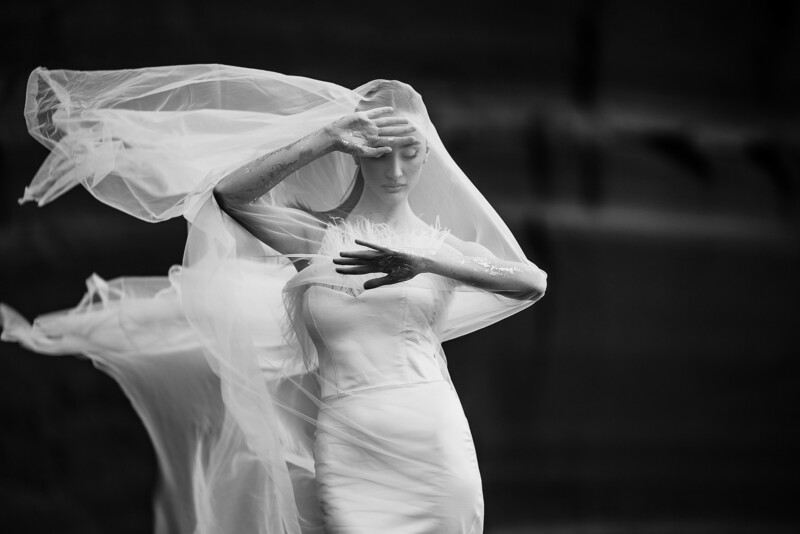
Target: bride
x,y
320,278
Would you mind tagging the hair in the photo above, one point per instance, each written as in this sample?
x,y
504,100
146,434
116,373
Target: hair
x,y
377,93
401,96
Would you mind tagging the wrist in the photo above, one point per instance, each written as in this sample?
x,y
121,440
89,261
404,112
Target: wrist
x,y
430,264
329,138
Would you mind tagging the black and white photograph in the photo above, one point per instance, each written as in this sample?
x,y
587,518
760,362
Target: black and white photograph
x,y
399,267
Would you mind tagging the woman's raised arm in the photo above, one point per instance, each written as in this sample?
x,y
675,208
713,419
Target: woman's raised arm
x,y
361,134
468,263
289,233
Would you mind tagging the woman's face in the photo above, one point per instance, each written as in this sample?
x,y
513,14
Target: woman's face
x,y
391,177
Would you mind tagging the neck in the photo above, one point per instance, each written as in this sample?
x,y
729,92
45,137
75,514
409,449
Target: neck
x,y
397,215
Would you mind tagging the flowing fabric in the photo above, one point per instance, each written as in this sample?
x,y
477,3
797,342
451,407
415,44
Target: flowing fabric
x,y
252,378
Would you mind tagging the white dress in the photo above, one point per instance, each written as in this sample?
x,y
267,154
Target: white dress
x,y
393,449
378,359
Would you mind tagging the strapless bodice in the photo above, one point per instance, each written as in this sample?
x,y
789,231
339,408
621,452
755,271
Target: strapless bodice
x,y
381,337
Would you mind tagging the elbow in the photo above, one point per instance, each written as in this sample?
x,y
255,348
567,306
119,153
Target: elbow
x,y
227,198
537,287
534,294
530,287
221,198
539,292
218,193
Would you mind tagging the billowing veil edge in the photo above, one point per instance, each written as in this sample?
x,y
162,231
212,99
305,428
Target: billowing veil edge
x,y
208,355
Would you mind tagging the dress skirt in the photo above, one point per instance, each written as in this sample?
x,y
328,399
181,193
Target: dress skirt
x,y
410,467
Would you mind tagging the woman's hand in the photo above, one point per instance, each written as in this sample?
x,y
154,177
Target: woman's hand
x,y
367,134
399,266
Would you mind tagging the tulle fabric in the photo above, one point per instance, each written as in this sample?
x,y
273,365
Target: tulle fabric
x,y
153,142
213,356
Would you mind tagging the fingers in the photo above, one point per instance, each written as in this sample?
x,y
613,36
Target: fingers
x,y
396,140
390,121
374,152
396,130
378,282
350,261
372,246
360,269
377,112
359,254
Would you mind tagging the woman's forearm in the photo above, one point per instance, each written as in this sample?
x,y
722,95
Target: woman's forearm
x,y
255,178
361,134
512,279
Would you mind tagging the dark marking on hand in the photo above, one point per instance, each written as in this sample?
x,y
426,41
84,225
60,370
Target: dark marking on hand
x,y
396,268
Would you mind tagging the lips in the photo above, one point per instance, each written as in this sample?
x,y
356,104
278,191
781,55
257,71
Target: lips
x,y
394,188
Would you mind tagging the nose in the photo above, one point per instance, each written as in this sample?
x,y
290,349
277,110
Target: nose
x,y
393,169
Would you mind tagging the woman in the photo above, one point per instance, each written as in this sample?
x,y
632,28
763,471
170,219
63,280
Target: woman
x,y
341,418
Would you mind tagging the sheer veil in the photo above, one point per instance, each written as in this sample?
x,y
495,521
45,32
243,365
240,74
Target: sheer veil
x,y
211,355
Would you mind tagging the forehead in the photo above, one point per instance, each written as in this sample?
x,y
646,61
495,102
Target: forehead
x,y
417,143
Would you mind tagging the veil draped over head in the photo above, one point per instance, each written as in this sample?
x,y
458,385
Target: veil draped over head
x,y
212,356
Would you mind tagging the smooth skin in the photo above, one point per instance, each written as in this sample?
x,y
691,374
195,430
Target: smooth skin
x,y
391,153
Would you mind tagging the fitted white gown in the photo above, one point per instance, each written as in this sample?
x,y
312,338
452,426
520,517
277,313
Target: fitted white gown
x,y
393,449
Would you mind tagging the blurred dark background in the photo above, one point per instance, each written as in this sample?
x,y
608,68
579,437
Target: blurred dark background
x,y
646,154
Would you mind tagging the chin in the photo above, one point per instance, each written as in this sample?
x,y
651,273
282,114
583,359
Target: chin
x,y
394,198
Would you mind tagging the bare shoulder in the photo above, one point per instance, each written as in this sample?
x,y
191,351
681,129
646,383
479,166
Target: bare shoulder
x,y
311,229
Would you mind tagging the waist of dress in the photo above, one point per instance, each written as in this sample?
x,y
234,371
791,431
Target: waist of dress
x,y
368,389
356,365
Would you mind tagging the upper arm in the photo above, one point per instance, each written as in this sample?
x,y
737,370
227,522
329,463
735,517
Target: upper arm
x,y
468,248
287,230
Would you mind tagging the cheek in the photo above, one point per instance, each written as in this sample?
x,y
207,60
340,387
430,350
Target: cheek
x,y
414,171
414,167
